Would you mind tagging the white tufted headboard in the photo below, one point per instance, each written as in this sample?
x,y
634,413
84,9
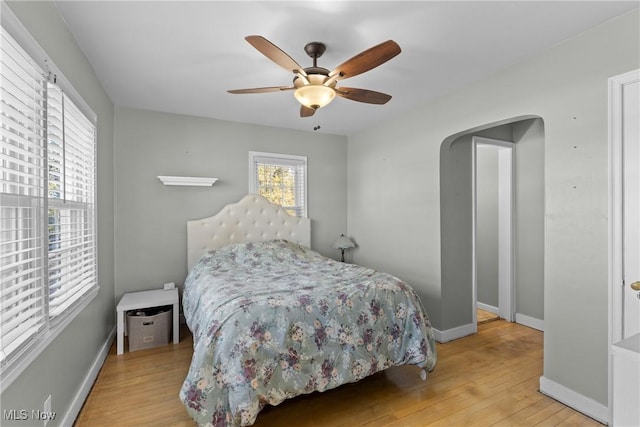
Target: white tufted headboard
x,y
252,219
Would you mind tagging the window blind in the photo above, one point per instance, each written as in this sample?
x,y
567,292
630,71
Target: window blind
x,y
23,311
281,180
71,211
48,255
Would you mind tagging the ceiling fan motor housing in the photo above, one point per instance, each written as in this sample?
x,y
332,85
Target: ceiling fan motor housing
x,y
315,50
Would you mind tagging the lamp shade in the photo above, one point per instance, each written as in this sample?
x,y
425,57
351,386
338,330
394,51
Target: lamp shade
x,y
314,96
343,242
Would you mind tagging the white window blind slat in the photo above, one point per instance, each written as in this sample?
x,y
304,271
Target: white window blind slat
x,y
20,125
14,184
14,175
18,87
27,278
20,161
13,301
32,315
23,103
74,265
12,142
75,281
28,324
6,259
21,323
16,276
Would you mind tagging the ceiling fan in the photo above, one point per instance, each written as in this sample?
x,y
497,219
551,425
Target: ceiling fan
x,y
315,87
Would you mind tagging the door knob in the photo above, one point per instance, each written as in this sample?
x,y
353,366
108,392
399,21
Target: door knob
x,y
636,286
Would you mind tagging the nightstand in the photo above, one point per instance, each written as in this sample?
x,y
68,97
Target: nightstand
x,y
147,299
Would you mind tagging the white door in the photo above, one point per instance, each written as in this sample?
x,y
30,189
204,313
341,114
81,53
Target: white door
x,y
624,249
631,208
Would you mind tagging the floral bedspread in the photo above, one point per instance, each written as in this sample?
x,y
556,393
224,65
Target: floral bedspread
x,y
273,320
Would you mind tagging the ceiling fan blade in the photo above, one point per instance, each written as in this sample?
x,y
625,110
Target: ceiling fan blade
x,y
363,95
306,111
275,54
262,89
366,60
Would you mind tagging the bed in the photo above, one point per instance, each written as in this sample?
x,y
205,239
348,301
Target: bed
x,y
272,319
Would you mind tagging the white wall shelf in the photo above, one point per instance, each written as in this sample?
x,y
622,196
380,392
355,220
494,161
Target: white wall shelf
x,y
187,180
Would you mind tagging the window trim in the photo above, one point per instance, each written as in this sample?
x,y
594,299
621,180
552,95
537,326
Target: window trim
x,y
55,326
278,158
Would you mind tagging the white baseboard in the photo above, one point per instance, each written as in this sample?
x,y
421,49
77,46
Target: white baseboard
x,y
529,321
487,307
455,333
85,387
575,400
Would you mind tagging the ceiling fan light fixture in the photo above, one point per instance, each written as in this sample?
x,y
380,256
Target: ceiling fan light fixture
x,y
315,95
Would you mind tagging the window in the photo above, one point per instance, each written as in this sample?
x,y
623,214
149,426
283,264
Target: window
x,y
71,216
22,199
281,179
48,266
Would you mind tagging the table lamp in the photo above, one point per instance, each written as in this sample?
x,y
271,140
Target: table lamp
x,y
342,243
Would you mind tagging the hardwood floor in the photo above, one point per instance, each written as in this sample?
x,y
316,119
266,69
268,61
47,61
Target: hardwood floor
x,y
488,379
484,316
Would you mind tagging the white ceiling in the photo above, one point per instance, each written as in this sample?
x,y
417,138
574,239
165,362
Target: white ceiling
x,y
182,56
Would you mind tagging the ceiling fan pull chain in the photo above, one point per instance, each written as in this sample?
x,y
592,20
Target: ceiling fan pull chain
x,y
317,126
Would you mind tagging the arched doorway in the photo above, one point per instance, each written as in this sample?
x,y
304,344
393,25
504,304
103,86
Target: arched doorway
x,y
458,235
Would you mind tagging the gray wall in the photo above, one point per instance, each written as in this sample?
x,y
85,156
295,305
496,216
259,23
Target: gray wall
x,y
528,135
394,197
150,236
456,210
62,367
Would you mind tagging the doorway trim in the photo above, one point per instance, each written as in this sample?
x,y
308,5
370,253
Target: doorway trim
x,y
615,240
506,225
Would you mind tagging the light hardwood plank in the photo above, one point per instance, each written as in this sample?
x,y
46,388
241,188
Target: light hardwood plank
x,y
488,379
483,316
